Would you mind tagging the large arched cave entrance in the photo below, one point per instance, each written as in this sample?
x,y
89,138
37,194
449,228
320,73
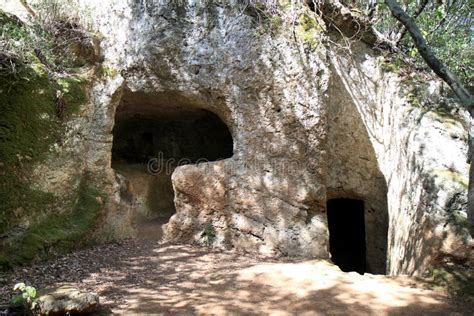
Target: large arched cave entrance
x,y
153,136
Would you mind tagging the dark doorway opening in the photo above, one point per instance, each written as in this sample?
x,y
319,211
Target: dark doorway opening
x,y
347,234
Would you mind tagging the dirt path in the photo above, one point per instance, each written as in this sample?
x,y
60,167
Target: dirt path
x,y
148,277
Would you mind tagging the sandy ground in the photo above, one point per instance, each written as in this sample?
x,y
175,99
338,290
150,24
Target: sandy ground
x,y
146,276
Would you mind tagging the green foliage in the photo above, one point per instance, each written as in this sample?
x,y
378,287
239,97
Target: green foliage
x,y
448,29
12,27
27,297
59,40
447,26
209,234
13,39
308,28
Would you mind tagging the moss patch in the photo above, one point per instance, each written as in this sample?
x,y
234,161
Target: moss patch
x,y
106,72
308,29
28,127
74,90
452,176
269,24
30,123
393,63
27,121
58,232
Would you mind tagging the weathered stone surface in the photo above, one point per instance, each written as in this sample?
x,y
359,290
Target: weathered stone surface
x,y
309,123
272,198
421,153
64,299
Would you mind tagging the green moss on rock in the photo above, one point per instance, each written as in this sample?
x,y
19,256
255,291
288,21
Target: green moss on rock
x,y
27,123
58,232
308,29
34,106
28,127
74,89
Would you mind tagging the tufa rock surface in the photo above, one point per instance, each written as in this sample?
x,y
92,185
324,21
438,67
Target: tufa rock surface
x,y
310,121
65,299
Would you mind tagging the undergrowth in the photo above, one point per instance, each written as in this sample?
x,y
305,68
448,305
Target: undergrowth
x,y
457,280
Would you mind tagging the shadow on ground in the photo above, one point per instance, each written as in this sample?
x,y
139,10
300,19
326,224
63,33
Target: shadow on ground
x,y
177,279
148,276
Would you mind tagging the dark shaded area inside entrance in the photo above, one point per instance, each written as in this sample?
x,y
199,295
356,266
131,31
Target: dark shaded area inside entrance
x,y
189,137
347,234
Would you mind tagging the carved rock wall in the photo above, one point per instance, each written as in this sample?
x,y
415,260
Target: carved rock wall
x,y
421,152
308,123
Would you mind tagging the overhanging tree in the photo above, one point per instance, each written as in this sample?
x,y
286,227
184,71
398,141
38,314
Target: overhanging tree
x,y
428,55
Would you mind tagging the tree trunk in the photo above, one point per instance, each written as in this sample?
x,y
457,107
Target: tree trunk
x,y
28,8
470,192
417,13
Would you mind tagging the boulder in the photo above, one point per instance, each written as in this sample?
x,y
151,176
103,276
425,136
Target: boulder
x,y
65,298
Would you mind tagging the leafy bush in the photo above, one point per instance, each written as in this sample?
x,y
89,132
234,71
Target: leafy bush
x,y
26,299
209,234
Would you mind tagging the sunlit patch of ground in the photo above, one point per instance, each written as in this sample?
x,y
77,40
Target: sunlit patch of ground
x,y
146,276
183,279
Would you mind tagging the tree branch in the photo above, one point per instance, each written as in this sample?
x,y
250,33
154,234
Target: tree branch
x,y
28,8
337,15
425,51
417,13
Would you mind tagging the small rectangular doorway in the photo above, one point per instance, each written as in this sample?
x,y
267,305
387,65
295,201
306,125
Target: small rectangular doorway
x,y
347,234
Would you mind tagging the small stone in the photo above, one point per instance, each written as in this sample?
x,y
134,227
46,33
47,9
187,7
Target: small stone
x,y
99,200
64,299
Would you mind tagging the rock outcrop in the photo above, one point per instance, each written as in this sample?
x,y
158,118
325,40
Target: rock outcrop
x,y
65,299
310,121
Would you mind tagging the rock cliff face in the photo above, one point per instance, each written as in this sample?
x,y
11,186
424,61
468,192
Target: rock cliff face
x,y
309,123
268,89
